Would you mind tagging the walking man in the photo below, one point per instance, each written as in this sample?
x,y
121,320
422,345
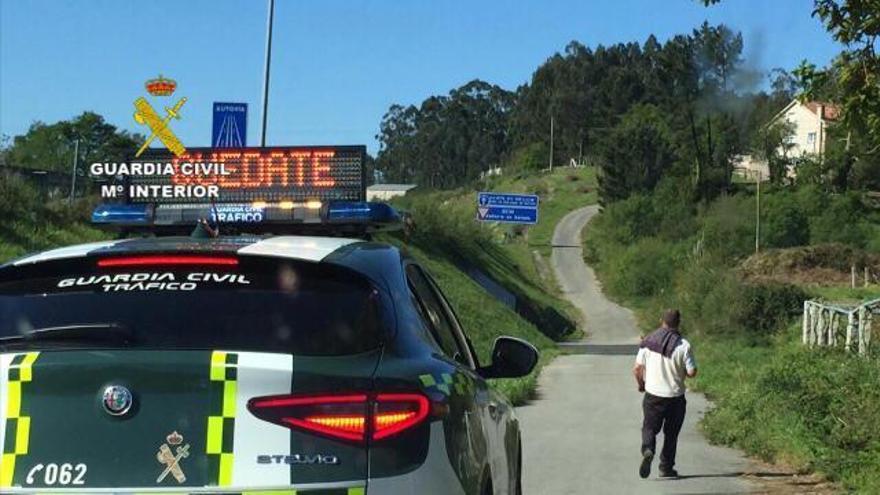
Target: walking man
x,y
664,360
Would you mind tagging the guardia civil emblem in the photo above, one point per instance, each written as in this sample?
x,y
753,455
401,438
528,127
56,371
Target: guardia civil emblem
x,y
146,115
170,454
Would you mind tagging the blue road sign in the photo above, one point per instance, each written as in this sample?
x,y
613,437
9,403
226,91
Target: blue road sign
x,y
230,125
507,208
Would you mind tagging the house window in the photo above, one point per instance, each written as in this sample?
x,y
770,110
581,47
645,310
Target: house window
x,y
811,138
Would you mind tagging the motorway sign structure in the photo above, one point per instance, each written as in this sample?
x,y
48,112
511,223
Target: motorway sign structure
x,y
507,208
230,125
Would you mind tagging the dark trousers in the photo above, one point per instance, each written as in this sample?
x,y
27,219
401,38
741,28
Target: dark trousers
x,y
667,414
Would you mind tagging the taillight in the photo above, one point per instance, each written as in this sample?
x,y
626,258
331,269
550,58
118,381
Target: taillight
x,y
350,417
394,413
167,260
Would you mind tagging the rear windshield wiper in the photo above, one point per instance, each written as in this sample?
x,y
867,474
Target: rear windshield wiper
x,y
80,333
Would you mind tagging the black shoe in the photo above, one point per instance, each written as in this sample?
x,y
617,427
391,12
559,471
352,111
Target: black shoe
x,y
645,467
668,473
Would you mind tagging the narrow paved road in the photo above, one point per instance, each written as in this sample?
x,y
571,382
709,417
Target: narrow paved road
x,y
582,434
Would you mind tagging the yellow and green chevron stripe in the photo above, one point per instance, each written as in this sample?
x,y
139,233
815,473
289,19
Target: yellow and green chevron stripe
x,y
446,383
18,423
221,424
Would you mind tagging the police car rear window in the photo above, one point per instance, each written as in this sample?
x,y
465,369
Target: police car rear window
x,y
251,305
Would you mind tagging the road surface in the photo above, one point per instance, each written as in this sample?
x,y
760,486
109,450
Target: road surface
x,y
582,434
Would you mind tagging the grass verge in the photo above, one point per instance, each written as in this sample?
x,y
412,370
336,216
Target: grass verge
x,y
815,410
484,319
514,256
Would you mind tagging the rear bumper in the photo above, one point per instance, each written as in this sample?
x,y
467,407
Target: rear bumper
x,y
434,476
305,490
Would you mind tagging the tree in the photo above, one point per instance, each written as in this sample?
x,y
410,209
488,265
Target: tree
x,y
855,24
396,134
448,140
690,82
51,146
771,143
636,154
718,57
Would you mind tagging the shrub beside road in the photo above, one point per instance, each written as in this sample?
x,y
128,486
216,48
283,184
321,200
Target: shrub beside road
x,y
816,410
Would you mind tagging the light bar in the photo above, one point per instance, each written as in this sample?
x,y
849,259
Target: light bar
x,y
359,211
253,217
123,214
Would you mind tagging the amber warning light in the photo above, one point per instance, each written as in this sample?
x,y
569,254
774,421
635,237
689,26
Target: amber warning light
x,y
247,175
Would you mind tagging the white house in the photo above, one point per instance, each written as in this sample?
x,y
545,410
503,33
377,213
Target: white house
x,y
810,122
382,192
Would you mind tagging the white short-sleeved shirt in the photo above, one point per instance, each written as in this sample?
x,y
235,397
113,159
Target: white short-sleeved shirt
x,y
664,376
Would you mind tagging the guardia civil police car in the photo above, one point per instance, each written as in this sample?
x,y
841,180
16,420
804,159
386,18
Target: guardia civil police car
x,y
256,364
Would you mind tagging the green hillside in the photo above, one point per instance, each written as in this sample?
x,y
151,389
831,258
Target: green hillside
x,y
31,223
517,257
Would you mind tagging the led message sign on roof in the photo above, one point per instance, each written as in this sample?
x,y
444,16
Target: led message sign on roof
x,y
242,175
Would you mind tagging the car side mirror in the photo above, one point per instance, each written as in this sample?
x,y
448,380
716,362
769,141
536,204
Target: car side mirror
x,y
511,358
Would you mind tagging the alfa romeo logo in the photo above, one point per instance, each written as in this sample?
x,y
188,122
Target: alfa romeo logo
x,y
117,400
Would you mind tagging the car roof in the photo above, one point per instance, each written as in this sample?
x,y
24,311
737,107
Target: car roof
x,y
378,261
304,248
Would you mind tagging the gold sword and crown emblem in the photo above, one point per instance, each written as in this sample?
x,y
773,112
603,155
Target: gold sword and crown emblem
x,y
145,115
171,459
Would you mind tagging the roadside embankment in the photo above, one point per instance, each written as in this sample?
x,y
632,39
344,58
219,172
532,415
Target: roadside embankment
x,y
814,410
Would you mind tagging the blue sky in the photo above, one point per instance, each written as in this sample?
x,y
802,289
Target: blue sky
x,y
337,65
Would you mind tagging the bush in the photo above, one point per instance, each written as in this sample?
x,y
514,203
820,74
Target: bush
x,y
645,268
532,157
874,241
729,228
626,221
765,308
842,220
816,408
707,297
673,210
18,199
783,223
